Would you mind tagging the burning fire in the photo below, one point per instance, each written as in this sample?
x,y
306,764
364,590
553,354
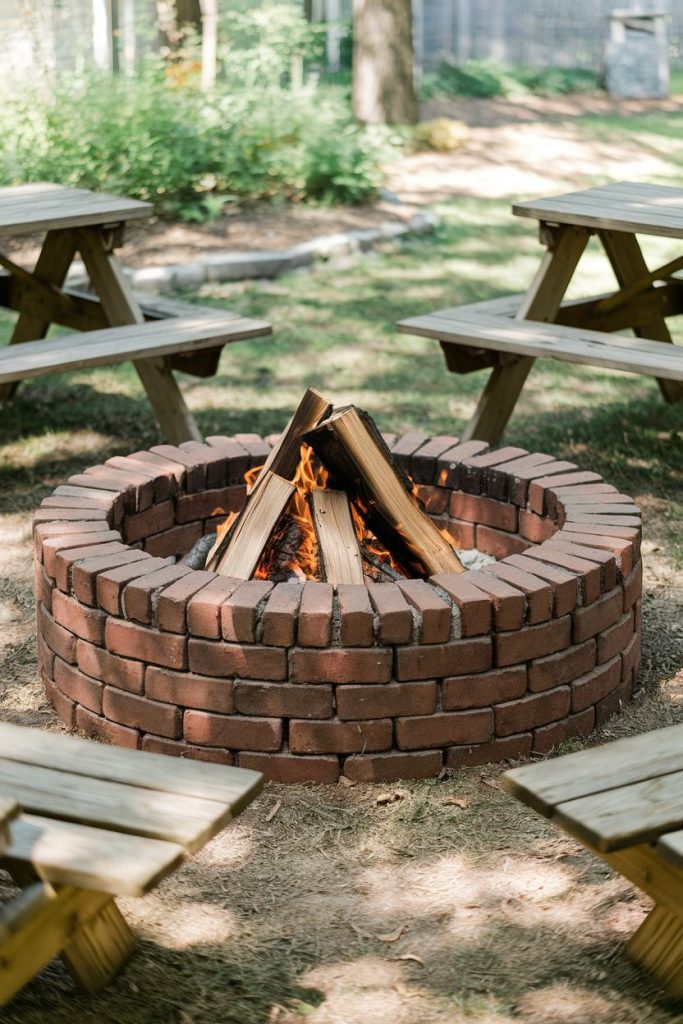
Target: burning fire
x,y
292,551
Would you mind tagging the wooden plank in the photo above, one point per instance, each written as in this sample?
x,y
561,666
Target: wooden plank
x,y
649,872
657,947
133,809
285,454
567,344
99,949
340,558
36,926
598,770
42,206
626,816
236,787
604,212
90,858
138,342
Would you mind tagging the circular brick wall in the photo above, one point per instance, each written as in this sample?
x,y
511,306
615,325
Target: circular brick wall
x,y
392,680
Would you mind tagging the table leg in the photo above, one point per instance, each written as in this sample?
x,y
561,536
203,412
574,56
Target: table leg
x,y
542,301
52,267
657,947
628,264
121,307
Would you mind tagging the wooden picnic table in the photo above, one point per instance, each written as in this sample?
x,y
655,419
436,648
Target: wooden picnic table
x,y
119,325
624,802
8,810
96,822
505,333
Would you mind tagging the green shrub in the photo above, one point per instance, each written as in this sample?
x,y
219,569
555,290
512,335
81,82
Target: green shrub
x,y
485,78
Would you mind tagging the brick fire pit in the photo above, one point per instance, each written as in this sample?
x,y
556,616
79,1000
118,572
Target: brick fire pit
x,y
392,680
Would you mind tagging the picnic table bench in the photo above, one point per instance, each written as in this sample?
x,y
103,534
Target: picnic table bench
x,y
96,822
509,333
624,802
157,335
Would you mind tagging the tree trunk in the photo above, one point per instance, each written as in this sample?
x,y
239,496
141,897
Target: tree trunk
x,y
209,9
383,84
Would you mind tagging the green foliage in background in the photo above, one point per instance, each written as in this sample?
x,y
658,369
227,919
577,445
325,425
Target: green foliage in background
x,y
485,78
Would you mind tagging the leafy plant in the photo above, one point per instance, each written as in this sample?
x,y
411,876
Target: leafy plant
x,y
485,78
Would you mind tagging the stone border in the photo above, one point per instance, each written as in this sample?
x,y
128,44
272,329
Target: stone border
x,y
304,682
249,265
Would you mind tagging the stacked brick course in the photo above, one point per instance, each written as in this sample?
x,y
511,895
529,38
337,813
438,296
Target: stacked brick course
x,y
392,680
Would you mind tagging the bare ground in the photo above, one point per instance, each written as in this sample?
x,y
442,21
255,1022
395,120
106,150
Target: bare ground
x,y
328,906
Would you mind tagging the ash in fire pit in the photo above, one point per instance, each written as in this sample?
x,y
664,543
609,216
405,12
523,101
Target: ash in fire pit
x,y
376,656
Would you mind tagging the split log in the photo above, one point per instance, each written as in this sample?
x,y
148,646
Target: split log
x,y
284,458
250,533
352,449
338,552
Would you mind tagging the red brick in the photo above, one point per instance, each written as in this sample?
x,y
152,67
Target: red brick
x,y
60,565
633,587
173,471
522,472
474,606
111,582
280,614
463,534
84,622
194,463
340,665
70,515
577,493
190,507
564,584
179,748
315,614
621,548
78,687
568,510
605,559
64,707
189,690
538,488
588,573
99,663
393,612
534,527
335,737
435,615
236,731
630,658
237,459
448,464
629,533
46,657
533,641
133,485
514,475
288,768
133,641
58,639
538,593
499,544
444,729
598,616
222,659
44,531
616,638
142,713
138,595
419,764
508,603
101,728
84,573
66,496
423,461
479,691
176,541
529,712
239,612
474,471
604,495
613,703
153,520
356,702
591,688
434,500
256,446
475,509
287,700
164,482
204,608
594,519
171,603
42,585
511,748
82,539
550,736
438,660
556,669
355,613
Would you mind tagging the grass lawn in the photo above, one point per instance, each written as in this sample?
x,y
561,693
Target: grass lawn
x,y
337,909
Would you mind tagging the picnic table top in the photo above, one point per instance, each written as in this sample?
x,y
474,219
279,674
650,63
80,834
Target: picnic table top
x,y
619,795
126,817
629,206
43,206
